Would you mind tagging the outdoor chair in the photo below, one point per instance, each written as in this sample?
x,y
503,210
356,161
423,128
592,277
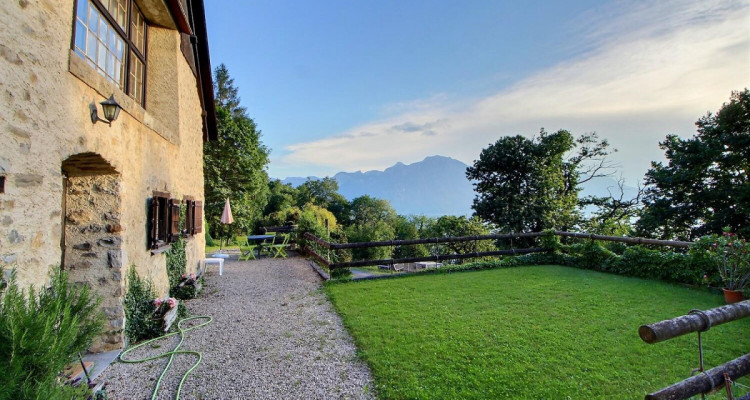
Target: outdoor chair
x,y
266,245
247,251
279,250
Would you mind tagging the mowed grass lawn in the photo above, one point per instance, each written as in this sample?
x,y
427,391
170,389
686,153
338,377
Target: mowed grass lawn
x,y
541,332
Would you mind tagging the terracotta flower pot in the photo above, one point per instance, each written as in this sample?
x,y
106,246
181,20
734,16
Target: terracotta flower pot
x,y
733,296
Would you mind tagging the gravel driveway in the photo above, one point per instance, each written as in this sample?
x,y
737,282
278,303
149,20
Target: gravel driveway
x,y
274,335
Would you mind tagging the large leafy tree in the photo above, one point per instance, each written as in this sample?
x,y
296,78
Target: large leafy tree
x,y
324,193
234,166
532,184
704,185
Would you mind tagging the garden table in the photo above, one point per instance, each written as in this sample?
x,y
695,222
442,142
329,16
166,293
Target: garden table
x,y
258,239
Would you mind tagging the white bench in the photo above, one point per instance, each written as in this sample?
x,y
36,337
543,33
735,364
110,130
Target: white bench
x,y
219,261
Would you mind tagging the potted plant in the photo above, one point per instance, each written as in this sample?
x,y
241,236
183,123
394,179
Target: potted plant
x,y
734,265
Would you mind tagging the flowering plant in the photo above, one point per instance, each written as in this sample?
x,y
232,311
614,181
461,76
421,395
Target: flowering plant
x,y
732,255
170,303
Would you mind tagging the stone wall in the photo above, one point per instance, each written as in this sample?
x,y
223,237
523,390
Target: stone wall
x,y
46,92
93,254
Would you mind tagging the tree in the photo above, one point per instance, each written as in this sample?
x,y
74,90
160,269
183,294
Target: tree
x,y
234,166
704,186
366,210
452,226
280,196
614,214
527,184
225,94
324,193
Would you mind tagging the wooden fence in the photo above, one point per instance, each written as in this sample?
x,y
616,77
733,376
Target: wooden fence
x,y
328,246
700,321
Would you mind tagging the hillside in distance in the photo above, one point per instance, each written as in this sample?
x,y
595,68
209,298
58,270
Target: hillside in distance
x,y
434,186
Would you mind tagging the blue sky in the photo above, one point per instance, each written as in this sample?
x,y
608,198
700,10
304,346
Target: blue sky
x,y
355,85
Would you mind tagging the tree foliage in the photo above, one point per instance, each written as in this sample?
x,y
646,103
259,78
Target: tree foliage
x,y
456,226
532,184
324,193
234,166
705,184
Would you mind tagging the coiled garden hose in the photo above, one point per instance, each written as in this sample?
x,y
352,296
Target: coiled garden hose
x,y
171,354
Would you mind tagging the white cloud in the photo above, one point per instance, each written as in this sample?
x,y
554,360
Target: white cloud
x,y
647,69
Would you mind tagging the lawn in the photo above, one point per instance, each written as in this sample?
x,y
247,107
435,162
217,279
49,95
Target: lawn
x,y
542,332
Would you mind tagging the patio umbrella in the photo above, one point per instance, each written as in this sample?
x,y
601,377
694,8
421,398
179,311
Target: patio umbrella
x,y
226,219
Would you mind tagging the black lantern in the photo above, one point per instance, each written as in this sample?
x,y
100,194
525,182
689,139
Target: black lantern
x,y
110,108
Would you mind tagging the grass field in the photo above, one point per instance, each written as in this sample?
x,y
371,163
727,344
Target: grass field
x,y
542,332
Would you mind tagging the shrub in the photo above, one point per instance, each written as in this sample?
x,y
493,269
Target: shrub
x,y
694,267
41,333
341,273
730,256
209,240
139,307
176,262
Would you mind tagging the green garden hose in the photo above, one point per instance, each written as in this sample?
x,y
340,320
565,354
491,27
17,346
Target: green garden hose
x,y
171,354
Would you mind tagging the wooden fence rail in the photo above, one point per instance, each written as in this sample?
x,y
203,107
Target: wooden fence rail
x,y
695,322
386,243
437,258
699,321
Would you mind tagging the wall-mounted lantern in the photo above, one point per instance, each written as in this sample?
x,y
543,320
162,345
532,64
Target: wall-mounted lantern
x,y
110,109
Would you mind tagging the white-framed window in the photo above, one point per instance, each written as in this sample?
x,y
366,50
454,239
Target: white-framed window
x,y
110,35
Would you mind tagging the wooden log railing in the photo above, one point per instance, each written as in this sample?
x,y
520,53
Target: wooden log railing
x,y
455,239
624,239
699,321
695,322
385,243
440,240
436,258
704,382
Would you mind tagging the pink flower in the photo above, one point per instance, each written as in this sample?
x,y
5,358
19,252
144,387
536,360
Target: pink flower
x,y
192,276
158,302
172,302
184,276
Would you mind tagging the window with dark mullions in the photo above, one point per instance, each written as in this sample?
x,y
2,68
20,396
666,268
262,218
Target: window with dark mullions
x,y
164,221
111,36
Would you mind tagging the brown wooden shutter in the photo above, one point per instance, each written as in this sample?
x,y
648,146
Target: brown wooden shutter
x,y
187,228
197,217
174,220
154,231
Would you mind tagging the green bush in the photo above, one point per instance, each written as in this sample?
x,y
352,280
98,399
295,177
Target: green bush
x,y
41,333
693,267
139,307
176,262
209,240
341,273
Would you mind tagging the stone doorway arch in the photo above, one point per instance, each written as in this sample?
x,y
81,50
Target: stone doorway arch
x,y
92,237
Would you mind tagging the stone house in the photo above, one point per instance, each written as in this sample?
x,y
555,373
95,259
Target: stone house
x,y
85,195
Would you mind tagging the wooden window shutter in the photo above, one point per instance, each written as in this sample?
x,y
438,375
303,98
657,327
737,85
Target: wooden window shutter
x,y
197,217
187,229
154,232
174,220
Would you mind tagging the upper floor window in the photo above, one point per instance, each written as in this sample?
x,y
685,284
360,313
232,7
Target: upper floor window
x,y
111,36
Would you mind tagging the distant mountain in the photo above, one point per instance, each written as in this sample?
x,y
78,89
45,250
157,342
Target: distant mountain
x,y
434,186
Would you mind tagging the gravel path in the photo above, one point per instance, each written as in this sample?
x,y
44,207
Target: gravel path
x,y
274,335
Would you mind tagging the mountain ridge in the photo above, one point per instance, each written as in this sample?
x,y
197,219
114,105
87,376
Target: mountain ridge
x,y
434,186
